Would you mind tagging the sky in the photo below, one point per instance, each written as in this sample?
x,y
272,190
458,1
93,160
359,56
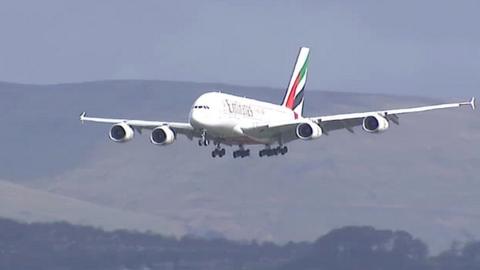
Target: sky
x,y
427,48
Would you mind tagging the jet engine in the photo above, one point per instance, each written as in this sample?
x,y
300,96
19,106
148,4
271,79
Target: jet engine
x,y
121,132
308,131
375,123
162,136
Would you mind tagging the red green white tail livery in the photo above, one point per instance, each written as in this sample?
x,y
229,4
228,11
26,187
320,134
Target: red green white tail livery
x,y
294,96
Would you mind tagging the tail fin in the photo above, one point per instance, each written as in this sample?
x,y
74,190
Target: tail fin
x,y
294,96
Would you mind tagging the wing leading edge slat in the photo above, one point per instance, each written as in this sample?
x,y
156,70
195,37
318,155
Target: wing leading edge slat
x,y
350,120
179,127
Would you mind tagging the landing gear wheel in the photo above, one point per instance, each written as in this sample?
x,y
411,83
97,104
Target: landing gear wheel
x,y
241,153
220,152
203,142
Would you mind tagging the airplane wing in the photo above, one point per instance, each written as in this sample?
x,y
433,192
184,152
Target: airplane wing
x,y
350,120
181,128
286,129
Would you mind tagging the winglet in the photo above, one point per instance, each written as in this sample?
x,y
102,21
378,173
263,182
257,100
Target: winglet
x,y
82,116
471,103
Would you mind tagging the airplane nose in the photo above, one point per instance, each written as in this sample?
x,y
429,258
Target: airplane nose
x,y
193,118
198,119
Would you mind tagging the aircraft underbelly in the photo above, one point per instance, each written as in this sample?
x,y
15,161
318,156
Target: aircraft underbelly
x,y
229,133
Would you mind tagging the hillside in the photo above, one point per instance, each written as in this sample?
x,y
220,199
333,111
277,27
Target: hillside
x,y
23,203
421,176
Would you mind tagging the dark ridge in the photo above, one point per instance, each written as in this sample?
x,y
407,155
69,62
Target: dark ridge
x,y
64,246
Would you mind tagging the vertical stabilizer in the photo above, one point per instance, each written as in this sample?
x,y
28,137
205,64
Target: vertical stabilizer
x,y
294,95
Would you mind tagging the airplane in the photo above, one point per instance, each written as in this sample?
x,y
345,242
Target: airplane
x,y
231,120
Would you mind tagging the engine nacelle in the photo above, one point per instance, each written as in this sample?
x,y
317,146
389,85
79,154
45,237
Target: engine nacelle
x,y
375,123
121,132
162,136
308,131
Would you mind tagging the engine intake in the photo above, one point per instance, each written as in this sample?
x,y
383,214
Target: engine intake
x,y
162,136
308,131
121,132
375,123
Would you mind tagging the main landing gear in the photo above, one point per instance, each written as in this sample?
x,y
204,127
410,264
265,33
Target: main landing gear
x,y
219,151
273,151
241,152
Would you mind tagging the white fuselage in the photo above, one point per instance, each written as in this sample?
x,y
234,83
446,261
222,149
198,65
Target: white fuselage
x,y
222,116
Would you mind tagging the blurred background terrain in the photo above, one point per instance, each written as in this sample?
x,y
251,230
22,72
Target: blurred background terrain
x,y
412,177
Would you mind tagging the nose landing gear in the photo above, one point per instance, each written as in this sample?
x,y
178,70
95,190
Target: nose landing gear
x,y
203,140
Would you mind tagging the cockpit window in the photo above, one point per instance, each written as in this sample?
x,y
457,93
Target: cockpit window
x,y
201,107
